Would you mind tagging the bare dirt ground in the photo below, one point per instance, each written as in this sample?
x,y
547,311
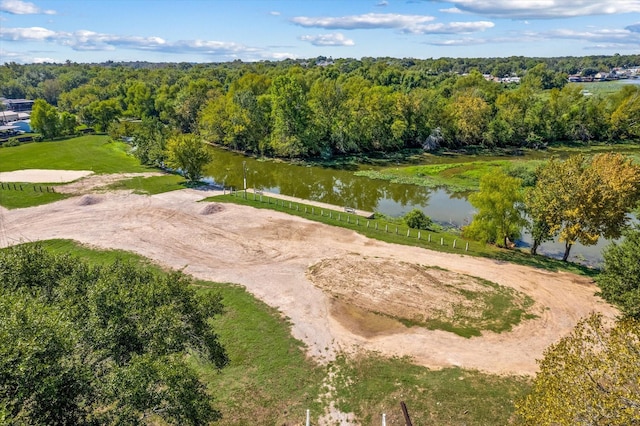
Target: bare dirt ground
x,y
271,253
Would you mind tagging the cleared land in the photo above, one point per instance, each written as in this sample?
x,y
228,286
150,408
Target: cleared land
x,y
270,253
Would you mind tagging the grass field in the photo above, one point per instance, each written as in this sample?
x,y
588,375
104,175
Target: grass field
x,y
27,195
90,152
271,381
151,185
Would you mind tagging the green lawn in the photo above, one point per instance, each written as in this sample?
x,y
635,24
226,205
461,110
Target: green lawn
x,y
27,195
90,152
270,380
151,185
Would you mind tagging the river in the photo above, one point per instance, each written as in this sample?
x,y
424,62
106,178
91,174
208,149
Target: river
x,y
341,187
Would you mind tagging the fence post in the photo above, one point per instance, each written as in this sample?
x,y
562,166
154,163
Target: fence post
x,y
441,241
408,230
429,237
466,248
386,228
454,243
418,234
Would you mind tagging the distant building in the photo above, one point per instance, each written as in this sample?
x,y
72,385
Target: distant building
x,y
17,105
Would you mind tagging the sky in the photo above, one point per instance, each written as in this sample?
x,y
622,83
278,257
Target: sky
x,y
89,31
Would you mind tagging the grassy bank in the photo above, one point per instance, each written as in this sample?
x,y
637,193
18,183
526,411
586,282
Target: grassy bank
x,y
393,232
90,152
271,381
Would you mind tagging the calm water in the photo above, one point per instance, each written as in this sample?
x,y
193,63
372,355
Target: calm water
x,y
341,187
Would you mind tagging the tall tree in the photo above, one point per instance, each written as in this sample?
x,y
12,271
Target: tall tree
x,y
45,119
591,377
580,199
499,209
189,154
290,117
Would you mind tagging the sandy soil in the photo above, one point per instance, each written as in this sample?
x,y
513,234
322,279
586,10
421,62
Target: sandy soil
x,y
271,254
43,175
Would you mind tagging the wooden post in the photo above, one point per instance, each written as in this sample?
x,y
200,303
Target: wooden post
x,y
408,230
405,412
454,243
367,224
358,221
466,248
386,228
441,241
308,423
418,234
396,230
376,226
429,237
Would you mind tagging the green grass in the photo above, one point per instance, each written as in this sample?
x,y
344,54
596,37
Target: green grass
x,y
271,381
91,152
386,231
151,185
27,195
498,310
371,385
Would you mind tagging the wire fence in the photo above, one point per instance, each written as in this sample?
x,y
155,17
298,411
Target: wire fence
x,y
348,218
11,186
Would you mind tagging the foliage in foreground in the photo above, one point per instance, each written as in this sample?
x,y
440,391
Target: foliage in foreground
x,y
620,277
100,345
591,377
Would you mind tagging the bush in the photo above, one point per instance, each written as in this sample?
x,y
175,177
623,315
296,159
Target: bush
x,y
416,219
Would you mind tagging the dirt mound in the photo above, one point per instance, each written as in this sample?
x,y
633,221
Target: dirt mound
x,y
413,294
212,208
89,200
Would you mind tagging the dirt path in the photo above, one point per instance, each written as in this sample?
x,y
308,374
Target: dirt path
x,y
270,253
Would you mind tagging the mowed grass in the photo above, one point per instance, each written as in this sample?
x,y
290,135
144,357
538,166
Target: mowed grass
x,y
270,380
152,184
27,195
90,152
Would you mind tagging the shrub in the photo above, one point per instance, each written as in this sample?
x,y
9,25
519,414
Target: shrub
x,y
416,219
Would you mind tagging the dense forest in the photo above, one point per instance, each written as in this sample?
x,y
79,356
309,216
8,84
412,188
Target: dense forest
x,y
322,107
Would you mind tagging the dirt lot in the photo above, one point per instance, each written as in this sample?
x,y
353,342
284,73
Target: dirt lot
x,y
271,254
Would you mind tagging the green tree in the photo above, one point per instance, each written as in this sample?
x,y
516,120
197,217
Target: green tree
x,y
101,345
416,219
189,154
290,118
581,199
619,279
499,210
45,119
68,123
591,377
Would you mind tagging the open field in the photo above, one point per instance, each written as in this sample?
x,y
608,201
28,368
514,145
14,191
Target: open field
x,y
253,388
350,358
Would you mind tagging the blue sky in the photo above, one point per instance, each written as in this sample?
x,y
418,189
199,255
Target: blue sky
x,y
254,30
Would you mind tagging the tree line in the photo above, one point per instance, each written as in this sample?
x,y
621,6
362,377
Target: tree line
x,y
301,109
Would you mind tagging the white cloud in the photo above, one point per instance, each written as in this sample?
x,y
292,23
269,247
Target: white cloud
x,y
19,7
539,9
450,10
28,34
334,39
84,40
382,3
366,21
274,13
452,28
606,36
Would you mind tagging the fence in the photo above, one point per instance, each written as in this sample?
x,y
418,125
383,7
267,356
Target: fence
x,y
22,187
351,220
